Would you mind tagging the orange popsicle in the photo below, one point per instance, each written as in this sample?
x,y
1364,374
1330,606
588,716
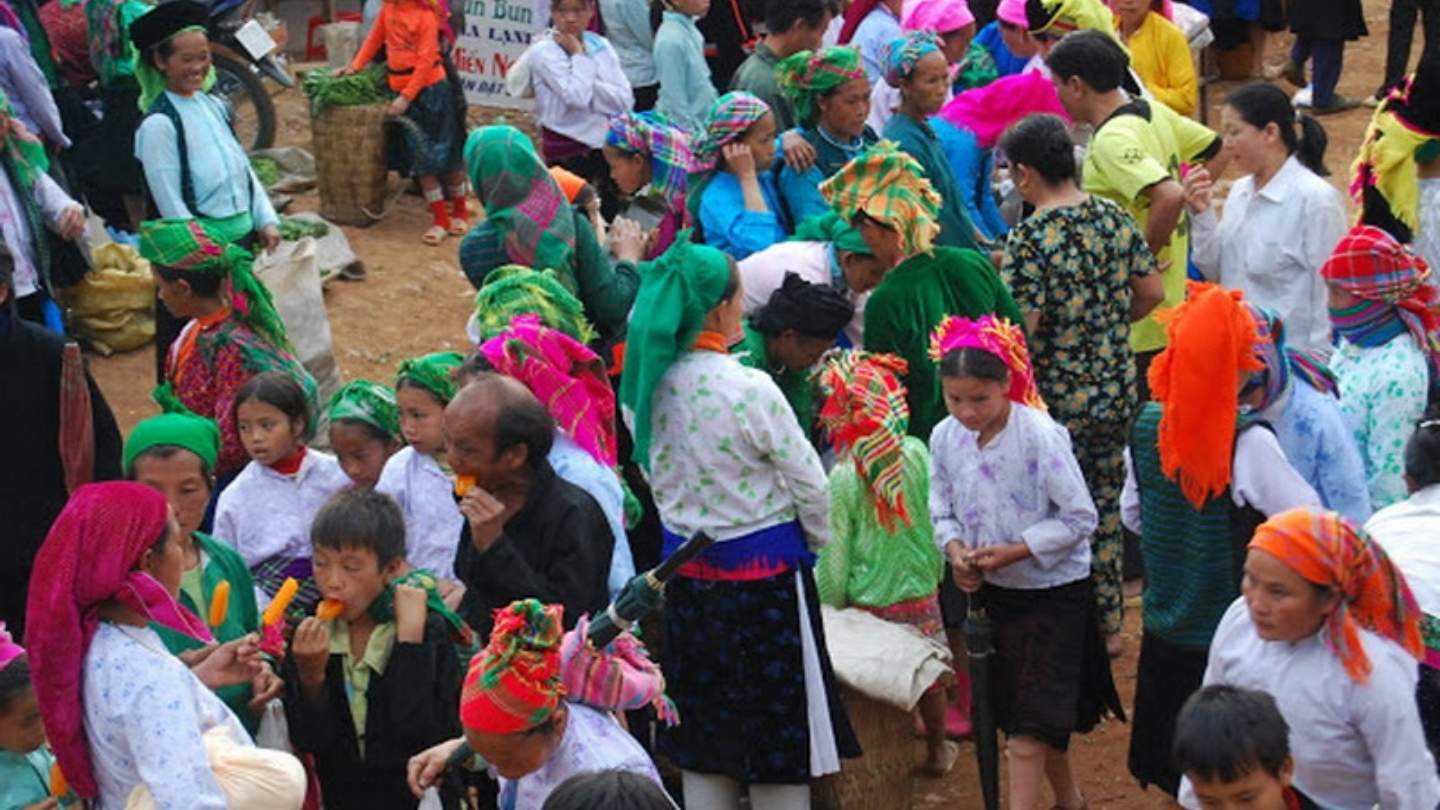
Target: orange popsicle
x,y
219,603
463,485
276,610
59,788
329,609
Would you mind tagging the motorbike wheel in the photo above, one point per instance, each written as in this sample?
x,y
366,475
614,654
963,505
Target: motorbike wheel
x,y
252,110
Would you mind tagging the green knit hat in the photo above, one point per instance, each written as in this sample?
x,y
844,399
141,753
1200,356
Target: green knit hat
x,y
197,434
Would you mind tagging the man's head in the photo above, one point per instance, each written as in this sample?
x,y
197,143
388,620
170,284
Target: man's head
x,y
1234,746
799,24
1088,68
497,432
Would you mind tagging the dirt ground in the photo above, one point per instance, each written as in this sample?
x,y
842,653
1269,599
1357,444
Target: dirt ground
x,y
415,300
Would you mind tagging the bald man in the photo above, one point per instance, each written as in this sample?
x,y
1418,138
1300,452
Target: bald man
x,y
527,532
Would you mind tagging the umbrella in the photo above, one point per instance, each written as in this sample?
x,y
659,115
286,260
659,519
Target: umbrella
x,y
980,650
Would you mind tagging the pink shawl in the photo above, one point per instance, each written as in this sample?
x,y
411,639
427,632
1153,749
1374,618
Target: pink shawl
x,y
988,111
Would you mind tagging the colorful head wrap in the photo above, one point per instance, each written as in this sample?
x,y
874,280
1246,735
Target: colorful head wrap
x,y
619,678
564,375
940,16
902,55
864,411
990,110
88,559
1280,360
649,133
728,119
1197,376
997,336
188,245
9,650
433,372
889,186
676,291
197,434
516,290
1370,264
1327,550
1385,182
514,683
1060,17
831,227
367,402
524,207
806,76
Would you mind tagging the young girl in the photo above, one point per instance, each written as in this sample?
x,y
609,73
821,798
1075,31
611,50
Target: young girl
x,y
1012,514
266,511
25,761
650,163
409,31
686,91
417,476
364,430
732,193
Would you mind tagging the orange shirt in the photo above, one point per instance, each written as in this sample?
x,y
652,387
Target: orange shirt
x,y
410,32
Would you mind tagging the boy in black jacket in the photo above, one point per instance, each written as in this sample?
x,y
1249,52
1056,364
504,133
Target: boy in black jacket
x,y
381,682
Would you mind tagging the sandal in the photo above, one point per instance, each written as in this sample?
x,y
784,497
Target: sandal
x,y
934,771
434,236
459,227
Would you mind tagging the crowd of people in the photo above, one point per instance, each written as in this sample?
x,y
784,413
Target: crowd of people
x,y
924,315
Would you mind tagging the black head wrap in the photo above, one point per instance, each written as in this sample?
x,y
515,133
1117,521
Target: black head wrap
x,y
813,310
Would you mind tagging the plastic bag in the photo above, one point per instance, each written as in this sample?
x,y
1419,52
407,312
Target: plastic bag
x,y
274,732
113,307
251,778
293,277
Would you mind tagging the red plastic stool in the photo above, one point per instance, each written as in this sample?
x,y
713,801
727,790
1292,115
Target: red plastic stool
x,y
314,52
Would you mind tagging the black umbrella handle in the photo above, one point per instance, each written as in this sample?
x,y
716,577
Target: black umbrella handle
x,y
691,549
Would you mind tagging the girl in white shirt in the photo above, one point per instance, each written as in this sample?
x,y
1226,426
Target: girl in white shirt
x,y
1014,518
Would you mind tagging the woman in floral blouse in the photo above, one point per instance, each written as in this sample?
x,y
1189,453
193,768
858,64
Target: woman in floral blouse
x,y
1080,270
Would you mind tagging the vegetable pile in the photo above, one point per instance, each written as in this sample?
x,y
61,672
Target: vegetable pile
x,y
366,87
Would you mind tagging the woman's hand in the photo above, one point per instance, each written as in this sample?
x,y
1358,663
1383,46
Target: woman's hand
x,y
410,613
265,687
425,767
570,43
342,72
993,558
311,649
269,238
398,107
232,663
738,159
1198,189
627,240
967,577
70,225
799,154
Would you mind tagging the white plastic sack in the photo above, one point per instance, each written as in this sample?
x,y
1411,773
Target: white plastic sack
x,y
251,778
884,661
274,732
292,275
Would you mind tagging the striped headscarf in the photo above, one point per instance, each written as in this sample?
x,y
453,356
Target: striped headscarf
x,y
524,207
997,336
367,402
667,146
514,684
1370,264
888,186
902,55
1281,361
515,290
433,372
729,117
806,76
864,411
1327,550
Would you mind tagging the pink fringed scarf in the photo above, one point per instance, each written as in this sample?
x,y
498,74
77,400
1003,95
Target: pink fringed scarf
x,y
987,111
999,337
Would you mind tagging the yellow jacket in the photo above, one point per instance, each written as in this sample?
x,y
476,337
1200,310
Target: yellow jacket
x,y
1161,56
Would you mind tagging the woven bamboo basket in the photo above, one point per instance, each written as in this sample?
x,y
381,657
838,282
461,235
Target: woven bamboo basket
x,y
883,779
349,143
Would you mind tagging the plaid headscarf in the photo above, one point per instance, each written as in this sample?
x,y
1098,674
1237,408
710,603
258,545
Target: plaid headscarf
x,y
564,375
515,290
1281,360
369,402
997,336
1385,181
864,411
1211,339
1372,265
729,117
806,76
668,146
831,227
514,683
1327,550
890,187
197,434
524,206
1060,17
901,55
433,372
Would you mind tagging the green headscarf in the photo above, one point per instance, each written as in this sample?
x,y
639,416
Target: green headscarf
x,y
433,372
676,291
523,204
368,402
197,434
516,290
29,157
806,76
831,227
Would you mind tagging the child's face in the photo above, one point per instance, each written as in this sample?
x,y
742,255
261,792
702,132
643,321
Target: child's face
x,y
760,137
422,419
20,729
361,454
353,576
976,403
572,16
1256,790
181,478
267,433
631,172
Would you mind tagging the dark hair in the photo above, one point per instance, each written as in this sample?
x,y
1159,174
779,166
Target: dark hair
x,y
1422,452
279,390
203,284
524,420
14,682
1041,142
373,431
361,518
402,382
972,362
1261,104
475,366
1224,733
607,790
163,451
813,310
782,15
1095,57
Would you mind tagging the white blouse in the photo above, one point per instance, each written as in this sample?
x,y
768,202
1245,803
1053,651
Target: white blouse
x,y
1355,745
144,717
762,274
265,514
426,497
576,96
1409,532
1025,486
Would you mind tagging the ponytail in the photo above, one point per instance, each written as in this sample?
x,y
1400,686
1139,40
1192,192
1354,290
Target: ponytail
x,y
1310,149
1261,104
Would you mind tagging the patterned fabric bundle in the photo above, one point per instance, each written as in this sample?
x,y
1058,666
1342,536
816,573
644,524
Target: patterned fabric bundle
x,y
516,290
367,402
197,434
902,55
1385,181
1281,360
1197,377
940,16
1327,550
990,110
88,559
999,337
9,650
523,205
728,119
888,186
865,412
564,375
1370,264
831,227
649,133
383,608
433,372
1060,17
806,76
619,678
514,684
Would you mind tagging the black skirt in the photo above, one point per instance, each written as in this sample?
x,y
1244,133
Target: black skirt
x,y
1051,676
1427,696
734,667
1168,674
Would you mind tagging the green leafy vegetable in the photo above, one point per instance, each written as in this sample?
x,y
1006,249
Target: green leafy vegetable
x,y
366,87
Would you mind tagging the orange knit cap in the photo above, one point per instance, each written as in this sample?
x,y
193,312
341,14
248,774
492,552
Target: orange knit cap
x,y
570,183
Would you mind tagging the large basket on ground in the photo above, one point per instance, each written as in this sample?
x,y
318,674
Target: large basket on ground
x,y
883,779
350,167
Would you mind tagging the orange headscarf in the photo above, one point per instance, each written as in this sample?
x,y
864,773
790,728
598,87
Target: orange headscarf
x,y
1327,550
1197,377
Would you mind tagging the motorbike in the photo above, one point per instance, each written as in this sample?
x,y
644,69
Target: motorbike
x,y
244,55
